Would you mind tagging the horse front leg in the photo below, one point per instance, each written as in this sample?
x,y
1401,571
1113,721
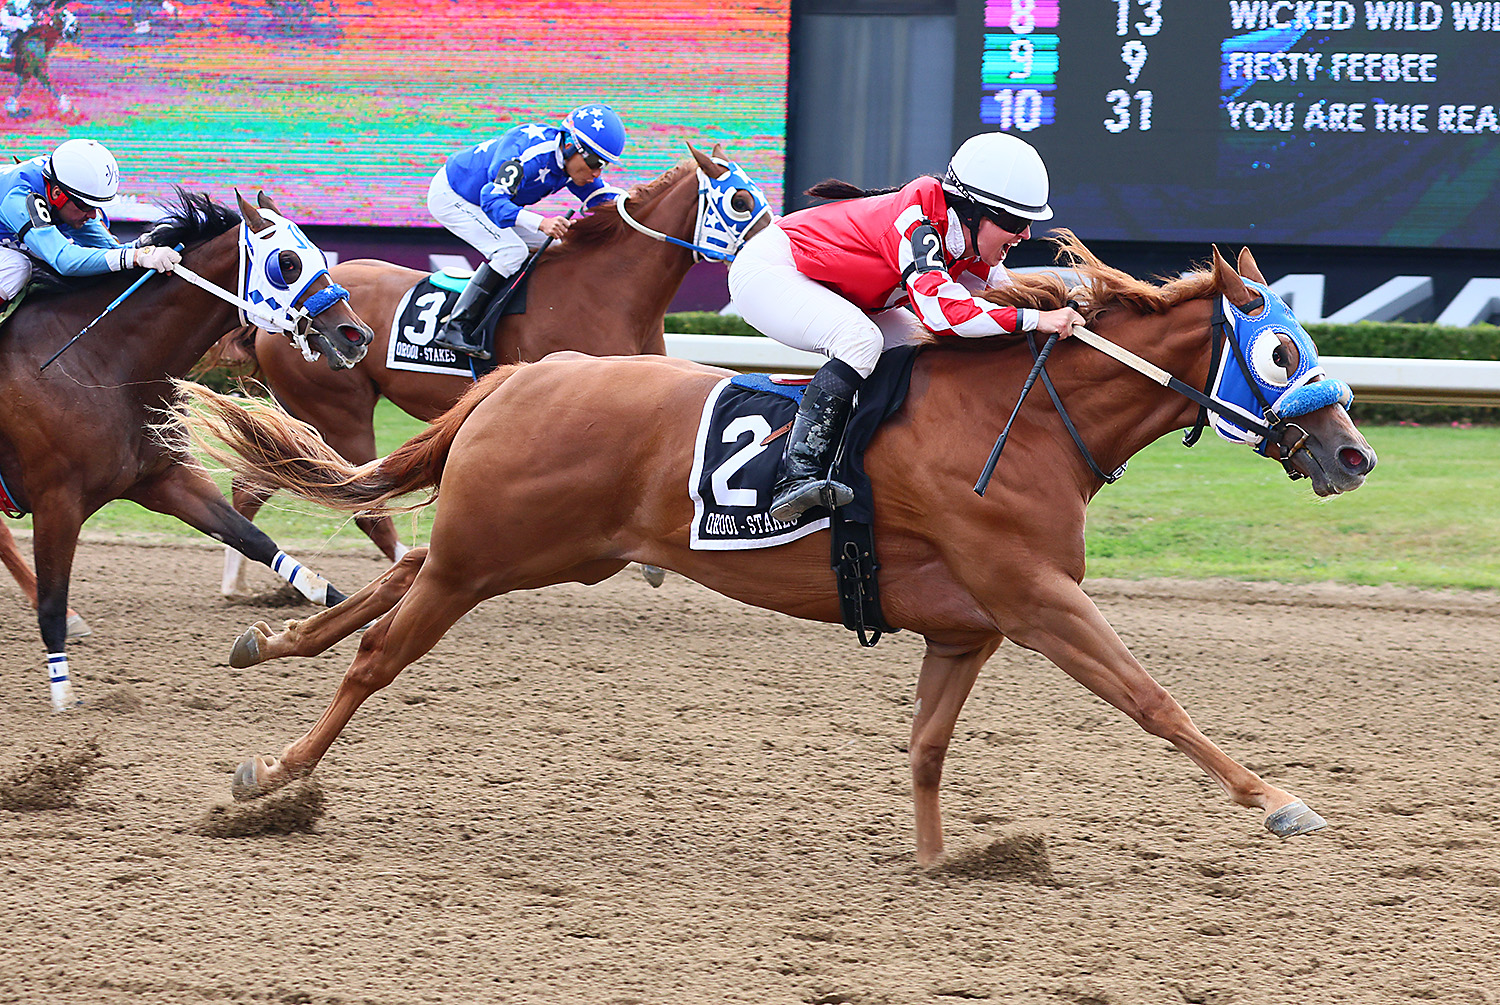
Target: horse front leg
x,y
314,635
58,519
419,620
186,492
948,675
10,555
247,500
1066,627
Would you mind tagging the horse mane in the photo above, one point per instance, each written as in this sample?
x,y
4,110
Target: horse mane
x,y
1103,286
194,219
603,224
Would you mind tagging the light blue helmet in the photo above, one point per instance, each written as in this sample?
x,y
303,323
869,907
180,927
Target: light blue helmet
x,y
597,128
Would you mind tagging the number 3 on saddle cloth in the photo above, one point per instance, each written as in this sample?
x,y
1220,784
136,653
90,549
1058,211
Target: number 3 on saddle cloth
x,y
422,312
737,458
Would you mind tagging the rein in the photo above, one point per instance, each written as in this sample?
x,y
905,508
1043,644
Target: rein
x,y
1219,329
714,253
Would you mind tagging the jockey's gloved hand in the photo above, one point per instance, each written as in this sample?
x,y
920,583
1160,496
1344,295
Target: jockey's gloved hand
x,y
160,259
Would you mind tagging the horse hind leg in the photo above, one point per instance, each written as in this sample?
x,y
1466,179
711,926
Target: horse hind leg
x,y
314,635
247,500
420,619
947,677
10,555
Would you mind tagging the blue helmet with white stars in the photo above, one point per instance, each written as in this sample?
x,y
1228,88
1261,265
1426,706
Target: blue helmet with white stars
x,y
597,128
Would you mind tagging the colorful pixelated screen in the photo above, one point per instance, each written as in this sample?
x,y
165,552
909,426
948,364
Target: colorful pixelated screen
x,y
1318,122
343,110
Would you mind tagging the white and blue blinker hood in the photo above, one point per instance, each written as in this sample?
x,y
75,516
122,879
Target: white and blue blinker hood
x,y
1252,379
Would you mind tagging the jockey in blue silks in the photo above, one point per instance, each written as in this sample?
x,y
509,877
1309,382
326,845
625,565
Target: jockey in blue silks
x,y
481,194
50,210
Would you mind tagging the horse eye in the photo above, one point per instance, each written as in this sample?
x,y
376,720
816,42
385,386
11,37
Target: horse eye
x,y
291,266
1278,356
740,205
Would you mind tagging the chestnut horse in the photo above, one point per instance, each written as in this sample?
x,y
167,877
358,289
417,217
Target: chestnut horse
x,y
601,480
604,290
81,432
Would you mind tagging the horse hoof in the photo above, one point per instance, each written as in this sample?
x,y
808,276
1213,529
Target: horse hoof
x,y
249,778
77,627
246,651
653,575
1292,819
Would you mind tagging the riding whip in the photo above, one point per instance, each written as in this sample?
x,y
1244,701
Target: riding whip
x,y
1036,369
515,284
113,304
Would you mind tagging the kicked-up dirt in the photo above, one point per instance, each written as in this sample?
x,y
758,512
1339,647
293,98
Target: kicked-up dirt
x,y
628,796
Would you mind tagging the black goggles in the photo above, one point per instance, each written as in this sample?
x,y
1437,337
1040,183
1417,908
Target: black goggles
x,y
593,160
1006,221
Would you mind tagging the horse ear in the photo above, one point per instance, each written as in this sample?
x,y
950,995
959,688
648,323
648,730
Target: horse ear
x,y
1230,282
250,213
706,163
1249,269
265,202
719,152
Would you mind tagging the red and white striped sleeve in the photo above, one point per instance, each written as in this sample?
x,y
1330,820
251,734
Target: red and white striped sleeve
x,y
944,305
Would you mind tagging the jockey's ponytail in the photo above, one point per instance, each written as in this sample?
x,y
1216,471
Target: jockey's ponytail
x,y
832,188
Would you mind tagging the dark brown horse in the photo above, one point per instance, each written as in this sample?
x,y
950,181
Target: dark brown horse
x,y
600,480
604,290
79,434
11,558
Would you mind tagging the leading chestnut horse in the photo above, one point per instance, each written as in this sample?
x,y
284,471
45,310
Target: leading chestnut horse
x,y
79,433
603,290
601,479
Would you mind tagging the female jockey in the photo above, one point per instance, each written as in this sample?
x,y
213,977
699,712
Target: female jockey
x,y
481,194
50,209
848,279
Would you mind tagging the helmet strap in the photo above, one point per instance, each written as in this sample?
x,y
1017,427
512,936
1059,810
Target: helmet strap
x,y
57,195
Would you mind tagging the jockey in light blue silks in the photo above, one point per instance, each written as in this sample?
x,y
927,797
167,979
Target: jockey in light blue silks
x,y
481,194
50,210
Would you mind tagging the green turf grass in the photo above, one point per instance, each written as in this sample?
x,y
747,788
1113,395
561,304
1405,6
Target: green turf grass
x,y
1427,517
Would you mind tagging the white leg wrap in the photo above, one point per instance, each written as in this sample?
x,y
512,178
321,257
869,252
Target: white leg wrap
x,y
234,573
401,551
62,687
308,583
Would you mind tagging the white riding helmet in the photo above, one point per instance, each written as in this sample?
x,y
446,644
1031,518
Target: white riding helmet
x,y
1000,171
86,170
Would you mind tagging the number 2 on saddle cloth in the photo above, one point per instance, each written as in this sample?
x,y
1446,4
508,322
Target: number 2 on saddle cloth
x,y
736,460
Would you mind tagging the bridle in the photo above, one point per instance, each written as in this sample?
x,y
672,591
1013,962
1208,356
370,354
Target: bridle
x,y
1275,426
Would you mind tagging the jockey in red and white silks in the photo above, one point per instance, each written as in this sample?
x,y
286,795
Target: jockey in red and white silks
x,y
851,278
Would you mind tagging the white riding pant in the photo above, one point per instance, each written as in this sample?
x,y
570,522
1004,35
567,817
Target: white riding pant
x,y
505,248
15,272
777,300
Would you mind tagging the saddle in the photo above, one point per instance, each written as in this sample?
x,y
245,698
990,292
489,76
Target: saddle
x,y
421,311
737,457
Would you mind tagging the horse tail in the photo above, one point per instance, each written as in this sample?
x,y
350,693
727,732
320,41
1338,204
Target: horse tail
x,y
261,443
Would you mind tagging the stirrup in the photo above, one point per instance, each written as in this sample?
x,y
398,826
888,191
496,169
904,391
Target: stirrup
x,y
801,496
458,343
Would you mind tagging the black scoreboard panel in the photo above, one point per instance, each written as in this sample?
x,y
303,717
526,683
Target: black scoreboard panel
x,y
1319,122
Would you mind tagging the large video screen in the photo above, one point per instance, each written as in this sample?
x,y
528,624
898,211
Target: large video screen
x,y
343,109
1318,122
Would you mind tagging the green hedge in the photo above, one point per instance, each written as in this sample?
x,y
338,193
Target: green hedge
x,y
1366,338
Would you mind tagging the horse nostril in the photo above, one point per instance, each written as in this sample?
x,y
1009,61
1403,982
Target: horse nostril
x,y
1354,460
351,334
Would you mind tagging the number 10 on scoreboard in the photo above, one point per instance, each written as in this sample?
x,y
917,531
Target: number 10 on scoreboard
x,y
1020,64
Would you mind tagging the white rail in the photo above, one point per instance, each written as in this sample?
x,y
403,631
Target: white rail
x,y
1375,380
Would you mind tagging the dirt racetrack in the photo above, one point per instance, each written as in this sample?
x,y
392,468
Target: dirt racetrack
x,y
623,795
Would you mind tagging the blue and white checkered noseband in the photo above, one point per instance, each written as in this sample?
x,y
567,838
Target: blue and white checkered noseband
x,y
722,225
277,266
1270,375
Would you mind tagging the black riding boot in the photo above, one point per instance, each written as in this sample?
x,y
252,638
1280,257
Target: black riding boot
x,y
459,332
814,439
